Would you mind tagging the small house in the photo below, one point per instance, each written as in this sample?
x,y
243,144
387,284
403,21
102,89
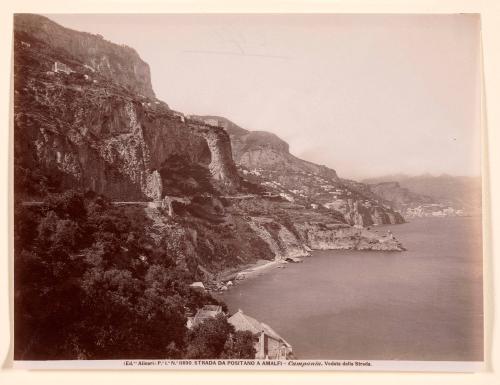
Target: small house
x,y
212,122
61,67
270,344
197,286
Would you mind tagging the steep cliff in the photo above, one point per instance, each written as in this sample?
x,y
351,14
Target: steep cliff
x,y
87,131
222,166
265,159
291,230
319,236
119,63
280,240
261,149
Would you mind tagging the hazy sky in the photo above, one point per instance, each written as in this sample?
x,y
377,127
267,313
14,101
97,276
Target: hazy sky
x,y
366,95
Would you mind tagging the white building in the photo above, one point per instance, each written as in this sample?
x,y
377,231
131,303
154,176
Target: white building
x,y
61,67
197,286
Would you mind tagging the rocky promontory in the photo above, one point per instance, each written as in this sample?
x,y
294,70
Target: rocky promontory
x,y
320,236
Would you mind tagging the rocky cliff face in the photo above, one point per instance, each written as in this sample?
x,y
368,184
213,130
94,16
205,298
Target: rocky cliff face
x,y
261,149
364,213
280,240
94,133
264,159
215,239
119,63
222,166
343,237
290,231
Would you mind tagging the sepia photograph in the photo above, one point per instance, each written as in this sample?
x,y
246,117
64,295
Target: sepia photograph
x,y
266,191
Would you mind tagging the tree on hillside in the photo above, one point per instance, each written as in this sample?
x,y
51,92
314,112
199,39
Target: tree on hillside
x,y
207,340
91,283
216,338
240,345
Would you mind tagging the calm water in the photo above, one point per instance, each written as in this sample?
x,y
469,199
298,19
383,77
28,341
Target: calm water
x,y
422,304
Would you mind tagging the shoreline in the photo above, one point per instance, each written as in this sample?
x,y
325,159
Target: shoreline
x,y
263,297
258,269
233,276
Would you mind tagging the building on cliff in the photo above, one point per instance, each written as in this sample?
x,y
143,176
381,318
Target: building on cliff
x,y
197,286
206,312
61,67
213,122
270,344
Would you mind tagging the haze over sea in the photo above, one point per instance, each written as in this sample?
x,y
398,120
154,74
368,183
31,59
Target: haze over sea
x,y
421,304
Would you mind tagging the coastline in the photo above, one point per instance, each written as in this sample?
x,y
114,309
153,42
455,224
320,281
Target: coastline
x,y
263,266
231,277
258,269
294,299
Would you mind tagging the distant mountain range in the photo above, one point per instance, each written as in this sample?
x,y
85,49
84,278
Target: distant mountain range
x,y
457,192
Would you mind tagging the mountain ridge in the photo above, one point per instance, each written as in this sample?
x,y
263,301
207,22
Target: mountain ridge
x,y
455,193
265,159
77,128
118,62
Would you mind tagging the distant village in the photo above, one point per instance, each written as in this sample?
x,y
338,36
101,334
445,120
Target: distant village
x,y
433,210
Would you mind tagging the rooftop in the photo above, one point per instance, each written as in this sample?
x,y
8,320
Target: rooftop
x,y
244,322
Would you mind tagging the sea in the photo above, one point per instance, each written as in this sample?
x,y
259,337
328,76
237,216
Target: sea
x,y
425,303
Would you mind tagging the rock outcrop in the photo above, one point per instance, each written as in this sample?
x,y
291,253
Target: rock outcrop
x,y
265,159
359,213
100,134
222,167
119,63
281,241
261,149
319,236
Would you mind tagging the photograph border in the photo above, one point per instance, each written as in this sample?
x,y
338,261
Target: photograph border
x,y
490,21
